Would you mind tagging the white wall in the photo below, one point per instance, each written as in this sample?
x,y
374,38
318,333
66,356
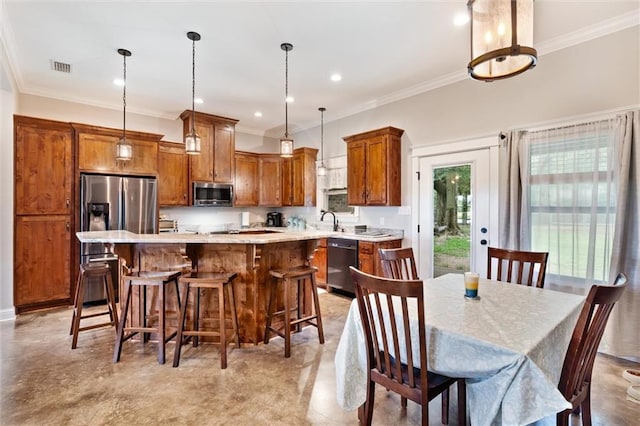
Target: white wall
x,y
8,105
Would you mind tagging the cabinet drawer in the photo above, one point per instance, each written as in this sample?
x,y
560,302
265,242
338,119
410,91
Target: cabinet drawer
x,y
365,247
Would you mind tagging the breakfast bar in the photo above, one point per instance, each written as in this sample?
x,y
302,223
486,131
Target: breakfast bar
x,y
251,254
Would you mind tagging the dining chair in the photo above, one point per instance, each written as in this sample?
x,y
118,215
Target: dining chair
x,y
575,379
386,339
514,262
400,264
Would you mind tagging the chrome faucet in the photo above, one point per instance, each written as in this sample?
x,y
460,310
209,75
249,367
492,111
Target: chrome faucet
x,y
335,219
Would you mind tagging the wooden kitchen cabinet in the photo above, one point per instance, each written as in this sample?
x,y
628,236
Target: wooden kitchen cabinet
x,y
246,179
216,161
369,258
44,213
97,151
319,260
299,178
270,180
173,185
373,168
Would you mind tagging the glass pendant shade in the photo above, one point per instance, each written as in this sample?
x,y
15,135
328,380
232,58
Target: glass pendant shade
x,y
286,147
192,143
501,38
124,150
322,169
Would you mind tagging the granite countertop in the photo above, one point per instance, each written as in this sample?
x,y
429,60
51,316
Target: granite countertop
x,y
249,236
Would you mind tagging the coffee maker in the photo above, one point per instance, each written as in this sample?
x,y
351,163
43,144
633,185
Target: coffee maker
x,y
274,219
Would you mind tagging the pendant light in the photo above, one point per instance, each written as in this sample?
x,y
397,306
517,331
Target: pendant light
x,y
192,140
286,143
501,36
322,169
124,150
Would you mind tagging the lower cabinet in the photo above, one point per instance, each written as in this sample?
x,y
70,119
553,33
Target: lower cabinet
x,y
319,260
42,262
368,257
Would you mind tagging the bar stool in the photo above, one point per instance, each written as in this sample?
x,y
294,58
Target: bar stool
x,y
218,281
93,270
300,275
142,280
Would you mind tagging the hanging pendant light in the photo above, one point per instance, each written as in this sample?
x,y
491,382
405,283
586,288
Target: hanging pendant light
x,y
286,143
192,140
124,150
322,169
501,36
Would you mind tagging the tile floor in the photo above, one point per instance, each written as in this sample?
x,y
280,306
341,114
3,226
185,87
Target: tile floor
x,y
44,382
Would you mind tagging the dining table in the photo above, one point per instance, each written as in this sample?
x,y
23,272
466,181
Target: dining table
x,y
509,346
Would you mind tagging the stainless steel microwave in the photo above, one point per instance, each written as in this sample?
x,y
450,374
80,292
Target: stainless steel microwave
x,y
212,194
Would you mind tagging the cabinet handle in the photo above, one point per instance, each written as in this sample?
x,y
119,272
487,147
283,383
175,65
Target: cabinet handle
x,y
184,196
68,227
68,202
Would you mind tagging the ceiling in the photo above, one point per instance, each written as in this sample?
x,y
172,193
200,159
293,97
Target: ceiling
x,y
384,51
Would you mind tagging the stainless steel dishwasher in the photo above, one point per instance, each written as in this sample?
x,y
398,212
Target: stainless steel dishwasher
x,y
341,253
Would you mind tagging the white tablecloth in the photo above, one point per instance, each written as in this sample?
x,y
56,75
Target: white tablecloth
x,y
510,345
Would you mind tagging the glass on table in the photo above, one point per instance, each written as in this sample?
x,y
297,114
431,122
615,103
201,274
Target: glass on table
x,y
471,280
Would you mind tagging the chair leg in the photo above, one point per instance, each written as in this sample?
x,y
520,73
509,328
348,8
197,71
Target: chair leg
x,y
287,318
162,332
75,302
223,329
462,402
78,313
316,302
195,340
111,301
562,418
444,396
368,404
123,320
586,408
272,292
403,401
181,321
234,314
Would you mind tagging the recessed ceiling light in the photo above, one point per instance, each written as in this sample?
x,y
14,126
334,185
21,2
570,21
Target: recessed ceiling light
x,y
289,99
118,82
336,77
199,101
257,114
461,19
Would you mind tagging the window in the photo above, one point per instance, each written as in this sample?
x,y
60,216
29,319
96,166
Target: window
x,y
570,200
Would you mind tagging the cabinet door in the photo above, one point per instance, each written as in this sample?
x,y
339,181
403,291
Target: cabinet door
x,y
42,260
297,184
376,171
366,257
319,260
224,143
287,181
246,185
201,165
356,163
43,170
270,181
97,153
172,175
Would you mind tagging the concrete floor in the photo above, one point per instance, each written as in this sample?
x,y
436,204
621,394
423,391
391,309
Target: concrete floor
x,y
44,382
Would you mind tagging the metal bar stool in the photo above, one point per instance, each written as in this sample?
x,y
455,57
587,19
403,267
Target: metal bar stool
x,y
298,275
93,270
201,281
142,280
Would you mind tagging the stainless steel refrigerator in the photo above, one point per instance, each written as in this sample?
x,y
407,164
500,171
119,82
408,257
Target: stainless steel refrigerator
x,y
110,202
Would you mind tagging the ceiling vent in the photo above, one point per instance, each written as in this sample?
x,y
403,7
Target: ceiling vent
x,y
60,66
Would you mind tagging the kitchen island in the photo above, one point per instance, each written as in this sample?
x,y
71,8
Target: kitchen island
x,y
251,254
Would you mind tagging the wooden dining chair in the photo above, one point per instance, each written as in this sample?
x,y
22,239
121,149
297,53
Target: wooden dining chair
x,y
386,339
575,379
521,266
398,263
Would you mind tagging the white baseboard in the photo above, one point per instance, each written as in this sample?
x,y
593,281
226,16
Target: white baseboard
x,y
7,315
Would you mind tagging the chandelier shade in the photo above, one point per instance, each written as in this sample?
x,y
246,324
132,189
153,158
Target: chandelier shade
x,y
322,169
192,139
124,149
501,38
286,143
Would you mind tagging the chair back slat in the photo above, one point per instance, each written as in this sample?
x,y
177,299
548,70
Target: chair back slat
x,y
398,263
581,354
515,266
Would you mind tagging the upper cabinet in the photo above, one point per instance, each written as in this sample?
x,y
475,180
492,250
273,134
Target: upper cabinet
x,y
43,166
270,180
299,178
215,163
373,168
97,151
246,179
173,187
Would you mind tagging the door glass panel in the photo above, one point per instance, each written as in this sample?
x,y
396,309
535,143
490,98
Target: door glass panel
x,y
452,219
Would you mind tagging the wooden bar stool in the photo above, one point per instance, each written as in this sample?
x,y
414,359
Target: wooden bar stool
x,y
298,275
202,281
93,270
142,280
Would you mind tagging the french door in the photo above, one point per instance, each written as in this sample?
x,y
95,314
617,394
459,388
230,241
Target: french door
x,y
457,211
